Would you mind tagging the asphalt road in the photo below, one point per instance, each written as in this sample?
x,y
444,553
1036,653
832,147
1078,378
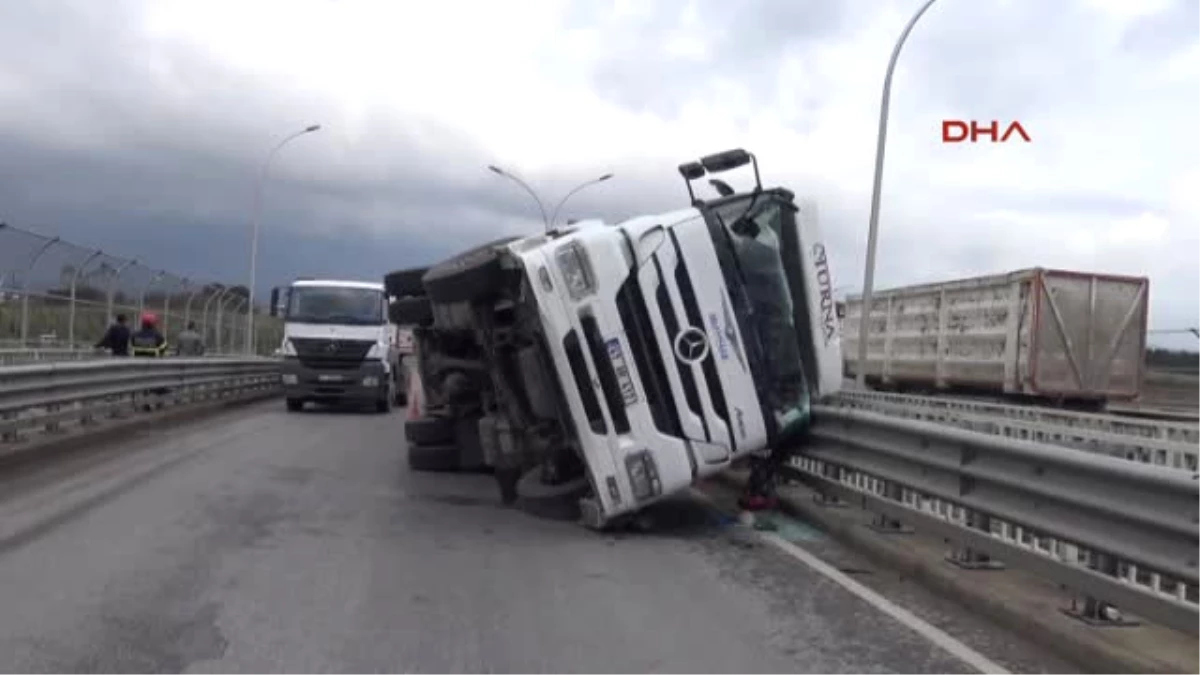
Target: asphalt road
x,y
261,541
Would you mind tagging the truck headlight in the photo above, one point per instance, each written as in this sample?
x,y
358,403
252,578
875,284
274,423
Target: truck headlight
x,y
576,269
643,475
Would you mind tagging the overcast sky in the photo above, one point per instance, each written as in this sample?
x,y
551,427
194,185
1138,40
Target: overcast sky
x,y
139,126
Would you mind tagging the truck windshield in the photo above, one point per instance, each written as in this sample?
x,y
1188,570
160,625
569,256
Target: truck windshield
x,y
747,233
335,305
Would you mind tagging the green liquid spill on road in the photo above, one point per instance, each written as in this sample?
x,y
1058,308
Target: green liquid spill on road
x,y
789,528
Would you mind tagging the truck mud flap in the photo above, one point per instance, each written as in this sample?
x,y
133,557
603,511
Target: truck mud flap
x,y
433,457
429,431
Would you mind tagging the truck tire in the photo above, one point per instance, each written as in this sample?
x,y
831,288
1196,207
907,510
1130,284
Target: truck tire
x,y
295,404
469,276
432,457
405,283
552,502
411,312
429,431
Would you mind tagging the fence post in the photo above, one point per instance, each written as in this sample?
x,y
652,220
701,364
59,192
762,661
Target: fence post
x,y
112,286
25,288
74,284
211,297
142,297
187,306
167,303
233,324
222,309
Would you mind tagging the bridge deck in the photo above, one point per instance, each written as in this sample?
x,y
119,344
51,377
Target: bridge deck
x,y
262,541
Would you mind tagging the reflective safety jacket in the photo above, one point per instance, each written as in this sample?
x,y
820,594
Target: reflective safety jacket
x,y
148,342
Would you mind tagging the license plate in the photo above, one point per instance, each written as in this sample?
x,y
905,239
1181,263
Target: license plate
x,y
329,378
624,379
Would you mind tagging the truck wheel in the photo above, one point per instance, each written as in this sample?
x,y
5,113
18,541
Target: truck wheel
x,y
432,457
429,431
384,405
553,502
405,283
295,404
473,275
411,312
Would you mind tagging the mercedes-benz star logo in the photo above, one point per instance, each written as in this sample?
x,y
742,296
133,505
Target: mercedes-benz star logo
x,y
691,345
331,347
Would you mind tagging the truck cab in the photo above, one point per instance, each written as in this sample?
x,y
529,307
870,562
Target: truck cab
x,y
625,362
338,344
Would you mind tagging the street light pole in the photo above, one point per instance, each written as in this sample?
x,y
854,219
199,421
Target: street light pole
x,y
864,321
501,172
554,214
258,187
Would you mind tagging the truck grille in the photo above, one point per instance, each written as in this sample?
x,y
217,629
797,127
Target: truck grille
x,y
647,358
652,364
712,378
330,353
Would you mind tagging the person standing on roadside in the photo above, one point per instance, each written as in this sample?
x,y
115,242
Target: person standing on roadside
x,y
116,338
189,342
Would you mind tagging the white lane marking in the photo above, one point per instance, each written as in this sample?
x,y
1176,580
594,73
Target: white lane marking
x,y
932,633
915,623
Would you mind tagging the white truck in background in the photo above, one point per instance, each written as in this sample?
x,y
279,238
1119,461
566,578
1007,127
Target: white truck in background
x,y
599,368
339,346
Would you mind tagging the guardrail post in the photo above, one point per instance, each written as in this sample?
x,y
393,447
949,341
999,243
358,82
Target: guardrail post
x,y
964,556
86,417
882,523
967,557
12,435
53,426
1096,612
821,496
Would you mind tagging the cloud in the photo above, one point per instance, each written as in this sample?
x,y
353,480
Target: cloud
x,y
141,126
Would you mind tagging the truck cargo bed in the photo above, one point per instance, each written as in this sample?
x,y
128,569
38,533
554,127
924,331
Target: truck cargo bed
x,y
1035,332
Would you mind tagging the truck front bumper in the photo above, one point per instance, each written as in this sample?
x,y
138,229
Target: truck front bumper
x,y
368,381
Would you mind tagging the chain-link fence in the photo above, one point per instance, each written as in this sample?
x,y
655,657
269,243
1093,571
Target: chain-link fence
x,y
56,295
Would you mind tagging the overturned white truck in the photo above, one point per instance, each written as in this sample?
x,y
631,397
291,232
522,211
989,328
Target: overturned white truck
x,y
598,368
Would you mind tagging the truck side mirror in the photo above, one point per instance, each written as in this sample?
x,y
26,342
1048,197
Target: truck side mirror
x,y
275,301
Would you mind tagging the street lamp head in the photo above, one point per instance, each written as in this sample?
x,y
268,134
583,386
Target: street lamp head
x,y
312,128
603,178
496,170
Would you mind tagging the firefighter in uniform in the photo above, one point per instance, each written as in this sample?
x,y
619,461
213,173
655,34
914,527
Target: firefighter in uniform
x,y
148,342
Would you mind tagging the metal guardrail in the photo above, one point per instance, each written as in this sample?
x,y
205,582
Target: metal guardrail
x,y
15,357
44,399
1172,444
1125,533
18,357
